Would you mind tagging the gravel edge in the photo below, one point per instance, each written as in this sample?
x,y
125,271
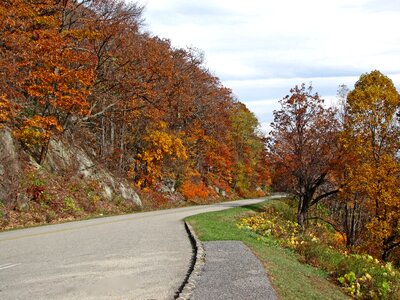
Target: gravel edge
x,y
198,261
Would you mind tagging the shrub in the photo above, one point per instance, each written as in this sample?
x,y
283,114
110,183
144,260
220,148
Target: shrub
x,y
2,210
361,276
196,190
70,205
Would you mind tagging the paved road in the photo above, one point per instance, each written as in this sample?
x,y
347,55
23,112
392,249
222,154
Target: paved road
x,y
137,256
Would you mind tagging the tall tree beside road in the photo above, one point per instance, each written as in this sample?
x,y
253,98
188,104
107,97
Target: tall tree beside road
x,y
248,172
303,148
371,142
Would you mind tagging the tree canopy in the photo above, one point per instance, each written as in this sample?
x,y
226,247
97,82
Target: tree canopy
x,y
151,112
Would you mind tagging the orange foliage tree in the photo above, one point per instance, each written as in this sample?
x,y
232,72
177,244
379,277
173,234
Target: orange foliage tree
x,y
55,72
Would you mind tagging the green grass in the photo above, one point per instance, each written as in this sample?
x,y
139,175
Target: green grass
x,y
290,278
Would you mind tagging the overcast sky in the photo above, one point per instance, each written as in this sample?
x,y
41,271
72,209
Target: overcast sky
x,y
260,49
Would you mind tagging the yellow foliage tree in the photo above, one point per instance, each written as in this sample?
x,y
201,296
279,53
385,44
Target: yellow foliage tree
x,y
370,141
37,131
161,147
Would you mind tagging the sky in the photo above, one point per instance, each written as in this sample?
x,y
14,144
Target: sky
x,y
261,49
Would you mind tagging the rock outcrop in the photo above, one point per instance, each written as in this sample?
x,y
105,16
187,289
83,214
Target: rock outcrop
x,y
9,163
62,157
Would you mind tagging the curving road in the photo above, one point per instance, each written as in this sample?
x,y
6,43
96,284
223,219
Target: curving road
x,y
137,256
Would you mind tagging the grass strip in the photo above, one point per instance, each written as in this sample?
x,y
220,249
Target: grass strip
x,y
290,278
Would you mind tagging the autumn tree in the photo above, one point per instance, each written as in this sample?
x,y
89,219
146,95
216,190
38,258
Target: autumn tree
x,y
55,72
371,142
248,151
160,146
303,148
347,214
112,102
209,129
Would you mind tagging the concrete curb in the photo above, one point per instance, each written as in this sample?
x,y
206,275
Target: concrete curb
x,y
197,265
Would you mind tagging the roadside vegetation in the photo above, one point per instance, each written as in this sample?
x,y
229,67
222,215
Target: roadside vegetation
x,y
309,264
54,198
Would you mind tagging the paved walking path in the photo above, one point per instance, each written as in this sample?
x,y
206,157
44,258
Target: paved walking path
x,y
232,272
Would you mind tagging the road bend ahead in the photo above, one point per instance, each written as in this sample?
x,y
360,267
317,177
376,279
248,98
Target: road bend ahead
x,y
137,256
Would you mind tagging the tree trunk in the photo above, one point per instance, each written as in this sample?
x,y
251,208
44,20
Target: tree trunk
x,y
43,153
103,138
389,244
122,143
350,225
302,212
112,135
385,255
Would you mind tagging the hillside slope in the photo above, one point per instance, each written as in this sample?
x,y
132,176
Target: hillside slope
x,y
91,106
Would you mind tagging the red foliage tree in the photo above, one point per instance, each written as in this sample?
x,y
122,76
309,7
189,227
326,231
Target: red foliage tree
x,y
303,148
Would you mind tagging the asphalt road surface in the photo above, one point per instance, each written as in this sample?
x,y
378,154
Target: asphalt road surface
x,y
136,256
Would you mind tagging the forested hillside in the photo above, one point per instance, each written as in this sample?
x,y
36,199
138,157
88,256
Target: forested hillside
x,y
84,71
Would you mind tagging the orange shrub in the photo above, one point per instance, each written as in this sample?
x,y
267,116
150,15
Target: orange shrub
x,y
191,190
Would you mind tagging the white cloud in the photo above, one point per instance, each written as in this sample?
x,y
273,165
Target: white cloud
x,y
261,48
263,109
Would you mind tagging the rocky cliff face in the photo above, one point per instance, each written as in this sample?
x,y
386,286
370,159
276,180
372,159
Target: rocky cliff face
x,y
69,184
9,164
63,158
